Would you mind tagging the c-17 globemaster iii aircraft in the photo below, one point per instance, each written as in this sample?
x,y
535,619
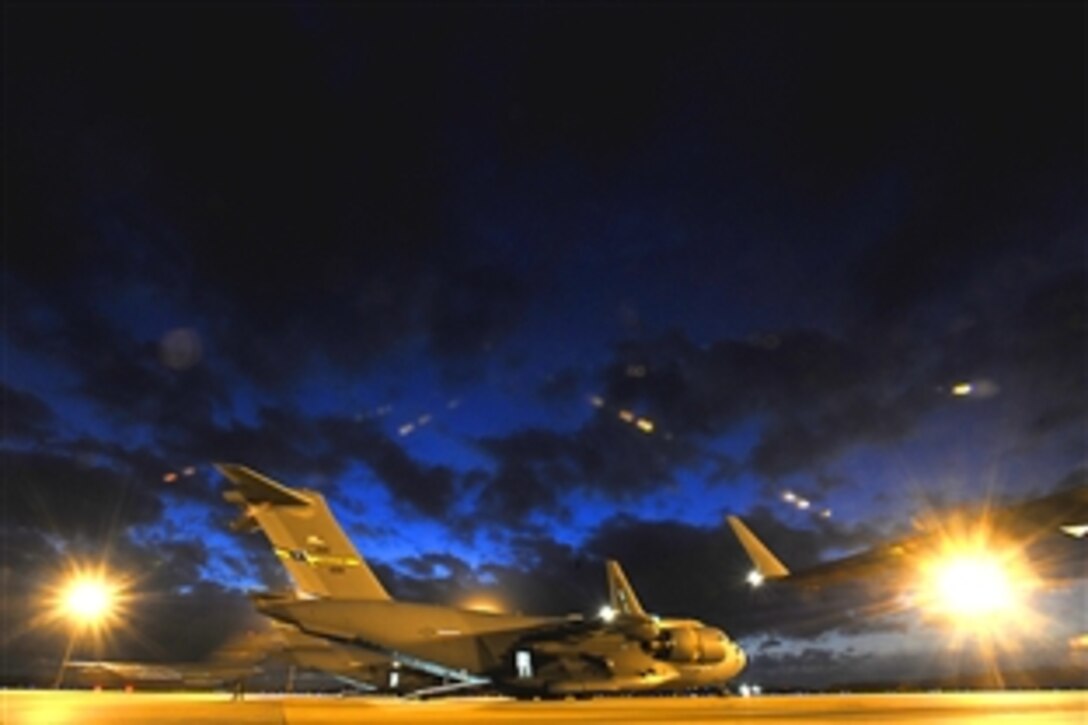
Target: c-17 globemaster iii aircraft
x,y
341,599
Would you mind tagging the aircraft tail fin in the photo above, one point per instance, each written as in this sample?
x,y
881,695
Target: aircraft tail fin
x,y
621,596
304,534
767,564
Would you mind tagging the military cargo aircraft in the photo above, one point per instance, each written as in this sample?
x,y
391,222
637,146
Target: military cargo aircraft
x,y
341,599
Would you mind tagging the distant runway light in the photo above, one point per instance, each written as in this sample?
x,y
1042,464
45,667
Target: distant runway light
x,y
596,401
627,416
169,477
645,425
825,514
789,496
803,504
424,419
189,471
406,429
962,389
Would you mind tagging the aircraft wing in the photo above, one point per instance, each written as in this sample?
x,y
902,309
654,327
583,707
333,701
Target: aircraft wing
x,y
127,671
1065,510
171,676
1026,522
881,561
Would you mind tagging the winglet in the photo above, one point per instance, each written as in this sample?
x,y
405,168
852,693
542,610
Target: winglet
x,y
766,563
621,597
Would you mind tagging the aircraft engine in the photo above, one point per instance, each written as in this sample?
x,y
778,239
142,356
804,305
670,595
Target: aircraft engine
x,y
692,644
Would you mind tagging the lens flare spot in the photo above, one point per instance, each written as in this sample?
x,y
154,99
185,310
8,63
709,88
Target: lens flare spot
x,y
973,584
88,599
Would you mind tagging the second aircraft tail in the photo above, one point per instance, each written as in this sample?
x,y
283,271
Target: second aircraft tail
x,y
767,564
621,596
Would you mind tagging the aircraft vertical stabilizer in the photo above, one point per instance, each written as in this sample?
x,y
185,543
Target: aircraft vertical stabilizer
x,y
304,535
621,597
766,563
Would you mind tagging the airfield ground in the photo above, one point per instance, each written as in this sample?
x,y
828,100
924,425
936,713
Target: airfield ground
x,y
115,708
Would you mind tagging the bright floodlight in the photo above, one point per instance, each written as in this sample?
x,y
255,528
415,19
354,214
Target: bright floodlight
x,y
607,613
754,578
87,600
973,584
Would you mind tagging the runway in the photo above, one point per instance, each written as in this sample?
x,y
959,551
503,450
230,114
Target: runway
x,y
115,708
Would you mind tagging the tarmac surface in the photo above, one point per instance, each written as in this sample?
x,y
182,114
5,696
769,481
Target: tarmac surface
x,y
117,708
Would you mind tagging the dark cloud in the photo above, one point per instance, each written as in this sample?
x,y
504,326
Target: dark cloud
x,y
545,577
283,245
535,468
306,450
74,498
25,416
564,386
128,379
818,394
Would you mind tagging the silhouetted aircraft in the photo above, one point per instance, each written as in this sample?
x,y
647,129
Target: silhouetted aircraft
x,y
228,668
341,599
1018,527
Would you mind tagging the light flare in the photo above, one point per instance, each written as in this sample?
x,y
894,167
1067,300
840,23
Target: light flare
x,y
90,600
979,586
973,584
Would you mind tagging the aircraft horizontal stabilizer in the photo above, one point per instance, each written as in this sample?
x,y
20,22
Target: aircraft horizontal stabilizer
x,y
256,488
766,563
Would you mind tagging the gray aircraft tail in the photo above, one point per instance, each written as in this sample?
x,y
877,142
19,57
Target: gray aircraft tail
x,y
766,563
304,535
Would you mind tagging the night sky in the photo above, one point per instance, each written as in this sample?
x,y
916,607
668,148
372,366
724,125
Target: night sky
x,y
520,288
